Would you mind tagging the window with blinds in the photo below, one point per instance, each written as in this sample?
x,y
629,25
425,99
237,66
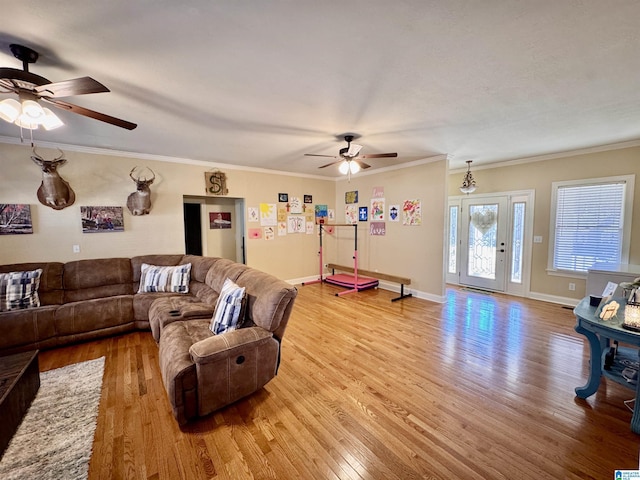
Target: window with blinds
x,y
589,226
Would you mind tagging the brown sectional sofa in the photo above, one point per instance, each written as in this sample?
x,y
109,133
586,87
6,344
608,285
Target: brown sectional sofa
x,y
88,299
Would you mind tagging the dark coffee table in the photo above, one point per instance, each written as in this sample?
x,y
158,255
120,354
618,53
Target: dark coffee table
x,y
19,383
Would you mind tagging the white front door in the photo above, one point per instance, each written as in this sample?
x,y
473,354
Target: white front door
x,y
484,242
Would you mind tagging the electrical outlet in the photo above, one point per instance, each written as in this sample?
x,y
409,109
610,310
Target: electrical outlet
x,y
76,249
572,286
537,239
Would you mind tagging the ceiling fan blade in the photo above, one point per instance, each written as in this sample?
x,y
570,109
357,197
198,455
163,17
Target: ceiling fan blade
x,y
379,155
67,88
361,164
90,113
316,155
332,163
353,150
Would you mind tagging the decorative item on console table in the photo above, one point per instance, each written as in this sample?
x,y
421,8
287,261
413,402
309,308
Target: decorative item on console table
x,y
632,311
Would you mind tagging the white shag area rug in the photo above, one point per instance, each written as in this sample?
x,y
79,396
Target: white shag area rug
x,y
55,438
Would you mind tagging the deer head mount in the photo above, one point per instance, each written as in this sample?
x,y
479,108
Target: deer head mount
x,y
54,191
139,202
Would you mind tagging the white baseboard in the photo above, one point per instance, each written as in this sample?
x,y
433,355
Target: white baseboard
x,y
553,299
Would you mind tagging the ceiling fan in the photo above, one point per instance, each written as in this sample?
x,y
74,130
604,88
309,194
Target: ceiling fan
x,y
31,88
350,156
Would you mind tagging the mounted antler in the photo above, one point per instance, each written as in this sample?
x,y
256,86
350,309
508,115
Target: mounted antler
x,y
54,191
139,202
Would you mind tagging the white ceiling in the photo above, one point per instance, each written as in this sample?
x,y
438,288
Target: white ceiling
x,y
259,83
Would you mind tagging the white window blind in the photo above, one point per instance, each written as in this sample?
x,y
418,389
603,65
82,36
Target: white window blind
x,y
589,225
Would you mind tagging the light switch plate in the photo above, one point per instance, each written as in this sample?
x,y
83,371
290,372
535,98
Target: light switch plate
x,y
537,239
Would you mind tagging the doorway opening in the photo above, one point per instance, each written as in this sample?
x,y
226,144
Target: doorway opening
x,y
215,225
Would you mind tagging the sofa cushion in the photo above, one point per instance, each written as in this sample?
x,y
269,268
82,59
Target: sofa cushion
x,y
32,326
50,289
94,315
228,309
154,278
19,290
165,260
96,278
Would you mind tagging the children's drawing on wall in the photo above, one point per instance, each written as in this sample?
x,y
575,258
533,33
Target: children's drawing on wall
x,y
295,224
331,215
351,197
268,214
351,214
282,214
282,228
394,213
377,228
411,212
252,214
219,220
321,214
295,205
101,219
377,209
310,226
269,233
15,218
255,233
378,192
363,214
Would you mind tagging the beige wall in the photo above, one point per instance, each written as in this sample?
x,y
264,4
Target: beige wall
x,y
408,251
104,180
98,179
415,252
539,177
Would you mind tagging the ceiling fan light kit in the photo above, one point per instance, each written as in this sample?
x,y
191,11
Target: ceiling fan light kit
x,y
468,184
30,114
348,157
348,166
32,88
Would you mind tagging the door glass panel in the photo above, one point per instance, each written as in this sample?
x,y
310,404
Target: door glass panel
x,y
483,221
518,242
453,239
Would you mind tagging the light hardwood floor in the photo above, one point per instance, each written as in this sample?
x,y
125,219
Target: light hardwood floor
x,y
479,387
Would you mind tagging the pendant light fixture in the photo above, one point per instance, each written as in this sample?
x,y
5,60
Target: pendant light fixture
x,y
468,184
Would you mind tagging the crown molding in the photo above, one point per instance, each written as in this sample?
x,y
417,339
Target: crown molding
x,y
551,156
160,158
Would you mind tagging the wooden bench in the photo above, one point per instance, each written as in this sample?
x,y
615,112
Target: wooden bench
x,y
380,276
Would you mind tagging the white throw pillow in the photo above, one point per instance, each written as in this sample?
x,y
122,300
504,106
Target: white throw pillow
x,y
19,290
155,278
228,308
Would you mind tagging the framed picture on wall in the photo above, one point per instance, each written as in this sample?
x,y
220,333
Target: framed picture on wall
x,y
308,199
283,197
219,220
101,219
15,219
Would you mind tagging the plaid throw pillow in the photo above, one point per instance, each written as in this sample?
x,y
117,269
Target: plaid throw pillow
x,y
164,279
19,290
228,308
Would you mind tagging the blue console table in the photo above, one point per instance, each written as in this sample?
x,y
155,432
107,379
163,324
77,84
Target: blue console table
x,y
600,334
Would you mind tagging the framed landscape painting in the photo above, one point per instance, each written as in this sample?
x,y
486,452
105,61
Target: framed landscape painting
x,y
15,219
